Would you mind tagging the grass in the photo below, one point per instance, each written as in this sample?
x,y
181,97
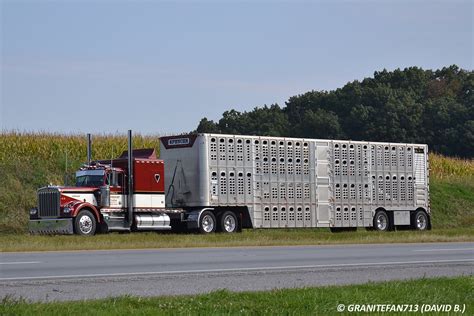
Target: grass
x,y
421,294
452,202
261,237
451,192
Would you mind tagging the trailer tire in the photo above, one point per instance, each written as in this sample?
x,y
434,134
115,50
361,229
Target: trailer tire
x,y
85,223
421,221
382,221
228,222
207,222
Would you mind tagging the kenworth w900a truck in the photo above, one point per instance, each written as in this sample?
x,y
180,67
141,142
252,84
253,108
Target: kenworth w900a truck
x,y
214,182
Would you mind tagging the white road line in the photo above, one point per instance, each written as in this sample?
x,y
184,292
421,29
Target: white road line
x,y
233,269
458,249
24,262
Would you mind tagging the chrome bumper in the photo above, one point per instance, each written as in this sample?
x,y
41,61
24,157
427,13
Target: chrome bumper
x,y
51,226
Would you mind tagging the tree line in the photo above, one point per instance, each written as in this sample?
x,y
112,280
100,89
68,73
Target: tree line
x,y
408,106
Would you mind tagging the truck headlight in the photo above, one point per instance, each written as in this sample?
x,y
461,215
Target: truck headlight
x,y
66,210
33,211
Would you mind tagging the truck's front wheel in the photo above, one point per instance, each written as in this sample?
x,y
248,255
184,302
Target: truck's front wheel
x,y
85,223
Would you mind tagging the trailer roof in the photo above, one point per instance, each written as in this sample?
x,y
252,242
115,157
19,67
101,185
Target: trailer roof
x,y
294,138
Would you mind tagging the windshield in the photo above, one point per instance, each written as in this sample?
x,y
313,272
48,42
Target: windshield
x,y
89,178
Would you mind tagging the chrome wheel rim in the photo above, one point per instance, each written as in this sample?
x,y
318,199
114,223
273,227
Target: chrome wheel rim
x,y
421,222
85,224
381,222
207,223
229,223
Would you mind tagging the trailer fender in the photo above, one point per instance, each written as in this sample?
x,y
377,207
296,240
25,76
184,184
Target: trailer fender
x,y
194,216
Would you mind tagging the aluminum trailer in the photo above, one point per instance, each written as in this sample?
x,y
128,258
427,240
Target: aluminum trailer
x,y
275,182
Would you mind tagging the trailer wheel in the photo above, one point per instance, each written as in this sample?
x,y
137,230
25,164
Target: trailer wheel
x,y
381,221
207,223
228,222
85,223
421,221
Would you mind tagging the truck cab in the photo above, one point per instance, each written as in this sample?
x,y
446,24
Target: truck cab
x,y
99,201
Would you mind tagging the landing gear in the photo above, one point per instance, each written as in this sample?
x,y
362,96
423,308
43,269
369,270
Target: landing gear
x,y
342,229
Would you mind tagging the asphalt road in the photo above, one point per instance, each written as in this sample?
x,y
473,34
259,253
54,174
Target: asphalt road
x,y
77,275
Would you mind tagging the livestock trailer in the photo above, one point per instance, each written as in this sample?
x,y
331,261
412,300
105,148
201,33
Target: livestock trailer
x,y
276,182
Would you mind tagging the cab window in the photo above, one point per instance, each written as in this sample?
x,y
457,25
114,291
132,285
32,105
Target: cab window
x,y
112,179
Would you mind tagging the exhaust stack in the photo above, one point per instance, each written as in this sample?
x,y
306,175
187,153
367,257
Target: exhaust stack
x,y
89,149
130,179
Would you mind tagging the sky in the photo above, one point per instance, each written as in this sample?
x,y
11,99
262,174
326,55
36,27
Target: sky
x,y
158,67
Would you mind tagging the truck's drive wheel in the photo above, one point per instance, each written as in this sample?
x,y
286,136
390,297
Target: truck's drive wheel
x,y
85,223
421,221
228,222
381,221
207,223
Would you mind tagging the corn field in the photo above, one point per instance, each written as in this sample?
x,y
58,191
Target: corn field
x,y
56,147
448,167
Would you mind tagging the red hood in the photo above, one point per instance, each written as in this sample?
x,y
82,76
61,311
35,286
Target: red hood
x,y
70,196
67,200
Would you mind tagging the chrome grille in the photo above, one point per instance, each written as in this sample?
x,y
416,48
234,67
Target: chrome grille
x,y
48,202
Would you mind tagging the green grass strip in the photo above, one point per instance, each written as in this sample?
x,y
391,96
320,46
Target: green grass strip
x,y
259,237
417,294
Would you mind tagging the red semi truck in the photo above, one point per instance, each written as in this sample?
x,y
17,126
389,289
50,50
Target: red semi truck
x,y
228,182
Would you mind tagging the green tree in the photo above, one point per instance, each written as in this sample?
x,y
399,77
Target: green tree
x,y
321,124
207,126
410,105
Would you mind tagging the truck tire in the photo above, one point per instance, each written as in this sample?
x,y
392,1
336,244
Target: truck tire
x,y
421,221
207,223
228,222
382,221
85,223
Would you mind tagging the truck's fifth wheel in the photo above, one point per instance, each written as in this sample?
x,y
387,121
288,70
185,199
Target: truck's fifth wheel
x,y
207,222
228,222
